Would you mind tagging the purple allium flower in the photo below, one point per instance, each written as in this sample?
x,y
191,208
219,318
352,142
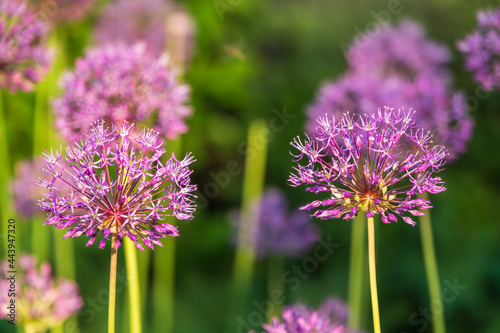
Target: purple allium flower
x,y
24,56
63,10
398,66
437,109
118,186
277,231
359,162
403,50
481,49
41,301
131,21
121,83
330,317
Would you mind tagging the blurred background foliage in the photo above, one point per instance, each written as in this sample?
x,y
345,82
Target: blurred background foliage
x,y
251,59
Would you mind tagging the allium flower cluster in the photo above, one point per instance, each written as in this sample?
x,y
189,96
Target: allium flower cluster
x,y
63,11
361,165
118,185
131,21
120,83
330,317
24,56
481,49
278,232
399,66
41,301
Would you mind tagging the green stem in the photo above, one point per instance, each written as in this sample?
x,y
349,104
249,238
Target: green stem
x,y
112,285
356,271
431,269
373,275
134,293
274,286
253,183
5,176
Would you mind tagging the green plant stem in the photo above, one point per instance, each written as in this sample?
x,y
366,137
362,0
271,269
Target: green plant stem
x,y
253,183
356,271
274,286
431,268
134,293
112,284
5,176
373,275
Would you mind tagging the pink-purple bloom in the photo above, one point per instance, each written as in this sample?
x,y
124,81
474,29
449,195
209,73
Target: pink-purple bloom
x,y
117,185
481,49
120,83
131,21
361,165
330,317
24,56
399,66
42,302
279,232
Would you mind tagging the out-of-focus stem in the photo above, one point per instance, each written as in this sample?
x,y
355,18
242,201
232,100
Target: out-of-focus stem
x,y
134,298
253,183
274,286
5,176
356,271
373,275
431,268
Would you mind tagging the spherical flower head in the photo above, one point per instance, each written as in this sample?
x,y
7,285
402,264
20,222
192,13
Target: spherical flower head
x,y
402,50
117,186
63,11
24,56
481,50
301,319
437,109
279,232
131,21
42,302
360,163
120,83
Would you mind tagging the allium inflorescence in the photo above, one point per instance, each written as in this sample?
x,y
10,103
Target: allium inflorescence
x,y
279,232
399,66
24,56
42,302
330,317
481,49
131,21
360,162
118,185
121,83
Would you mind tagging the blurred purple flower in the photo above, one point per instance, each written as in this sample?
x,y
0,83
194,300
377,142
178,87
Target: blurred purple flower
x,y
398,66
26,194
278,232
42,302
358,161
330,317
118,186
24,56
402,50
63,10
131,21
481,49
121,83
